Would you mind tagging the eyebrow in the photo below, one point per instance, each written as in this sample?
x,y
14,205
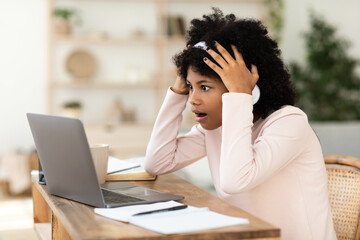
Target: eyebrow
x,y
200,81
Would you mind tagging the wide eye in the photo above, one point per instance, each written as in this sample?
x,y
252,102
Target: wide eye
x,y
189,86
205,88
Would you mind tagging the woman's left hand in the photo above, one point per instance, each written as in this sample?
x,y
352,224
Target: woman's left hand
x,y
233,72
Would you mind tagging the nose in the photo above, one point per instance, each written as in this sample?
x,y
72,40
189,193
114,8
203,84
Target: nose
x,y
194,98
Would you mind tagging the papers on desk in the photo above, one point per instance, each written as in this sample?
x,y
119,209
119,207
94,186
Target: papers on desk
x,y
124,213
117,165
185,220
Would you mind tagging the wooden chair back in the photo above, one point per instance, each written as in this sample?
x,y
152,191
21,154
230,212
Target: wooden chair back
x,y
343,174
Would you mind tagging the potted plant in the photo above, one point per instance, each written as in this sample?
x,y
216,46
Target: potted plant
x,y
72,109
329,88
64,17
274,18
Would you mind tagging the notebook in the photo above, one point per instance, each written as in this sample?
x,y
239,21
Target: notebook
x,y
69,170
179,221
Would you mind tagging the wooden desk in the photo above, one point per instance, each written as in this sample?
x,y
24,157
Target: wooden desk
x,y
59,218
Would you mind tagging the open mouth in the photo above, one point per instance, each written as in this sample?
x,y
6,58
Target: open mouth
x,y
199,116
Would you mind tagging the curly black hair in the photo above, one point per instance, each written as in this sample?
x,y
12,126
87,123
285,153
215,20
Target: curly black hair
x,y
251,39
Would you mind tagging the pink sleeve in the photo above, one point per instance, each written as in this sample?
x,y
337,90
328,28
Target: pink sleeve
x,y
166,152
243,165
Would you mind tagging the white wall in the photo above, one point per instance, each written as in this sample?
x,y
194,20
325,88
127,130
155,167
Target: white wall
x,y
22,69
23,54
338,139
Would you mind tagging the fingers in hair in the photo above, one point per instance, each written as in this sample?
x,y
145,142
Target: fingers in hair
x,y
238,56
225,54
219,59
212,65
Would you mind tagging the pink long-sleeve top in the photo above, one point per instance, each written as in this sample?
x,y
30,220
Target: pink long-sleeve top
x,y
273,169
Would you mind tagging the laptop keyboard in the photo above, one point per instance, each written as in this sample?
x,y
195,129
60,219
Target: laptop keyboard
x,y
114,198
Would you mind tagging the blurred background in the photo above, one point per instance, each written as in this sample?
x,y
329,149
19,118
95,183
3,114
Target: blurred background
x,y
108,62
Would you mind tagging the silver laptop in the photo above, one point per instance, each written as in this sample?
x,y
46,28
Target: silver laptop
x,y
69,171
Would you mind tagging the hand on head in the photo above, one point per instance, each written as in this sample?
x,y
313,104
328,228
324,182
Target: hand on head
x,y
233,72
180,86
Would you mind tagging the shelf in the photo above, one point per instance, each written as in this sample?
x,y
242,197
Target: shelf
x,y
163,1
101,84
109,40
207,1
129,1
174,40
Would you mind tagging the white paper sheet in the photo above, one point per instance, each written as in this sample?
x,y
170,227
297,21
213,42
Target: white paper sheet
x,y
186,220
125,213
117,165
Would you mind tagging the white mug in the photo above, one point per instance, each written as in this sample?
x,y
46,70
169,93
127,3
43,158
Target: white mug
x,y
100,156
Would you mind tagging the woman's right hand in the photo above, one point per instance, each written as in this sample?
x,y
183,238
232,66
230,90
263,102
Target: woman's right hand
x,y
180,86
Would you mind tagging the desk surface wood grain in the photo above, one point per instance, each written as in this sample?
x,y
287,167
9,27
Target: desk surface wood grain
x,y
80,221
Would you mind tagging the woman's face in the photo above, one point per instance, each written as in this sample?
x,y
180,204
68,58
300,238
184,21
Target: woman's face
x,y
205,96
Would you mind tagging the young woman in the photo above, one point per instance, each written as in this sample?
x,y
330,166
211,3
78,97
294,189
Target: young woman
x,y
263,155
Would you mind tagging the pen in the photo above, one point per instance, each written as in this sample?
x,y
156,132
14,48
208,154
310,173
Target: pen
x,y
122,170
162,210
